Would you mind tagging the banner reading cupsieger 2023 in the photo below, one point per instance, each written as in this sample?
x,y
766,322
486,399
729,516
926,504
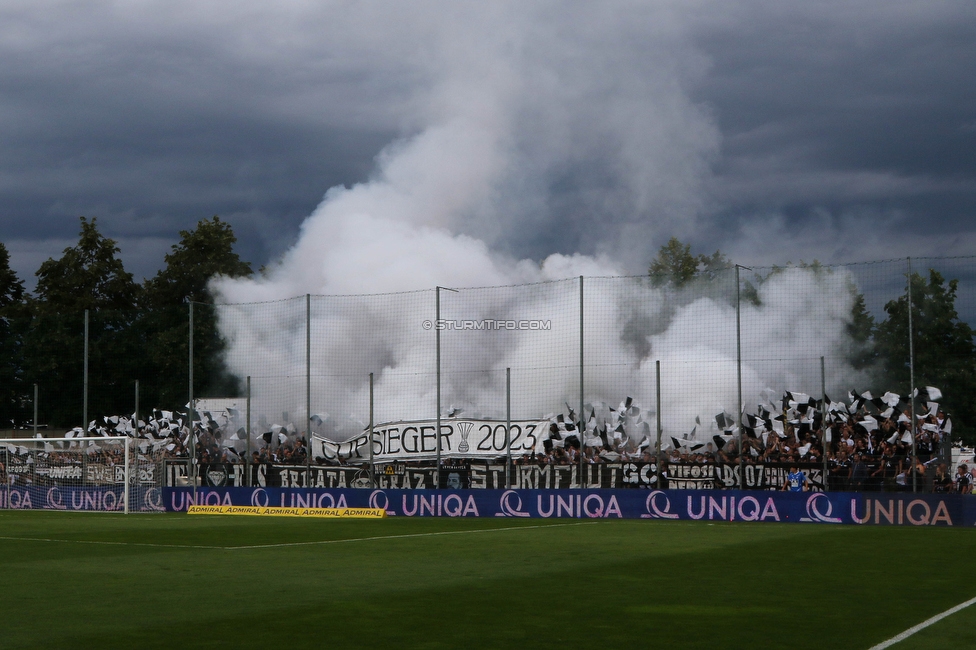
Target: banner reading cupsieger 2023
x,y
726,505
410,441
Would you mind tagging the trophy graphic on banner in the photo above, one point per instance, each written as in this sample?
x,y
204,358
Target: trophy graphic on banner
x,y
465,428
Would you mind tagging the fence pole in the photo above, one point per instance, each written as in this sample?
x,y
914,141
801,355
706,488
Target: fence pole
x,y
911,372
247,433
135,426
308,390
128,479
192,451
581,424
825,435
35,410
84,411
437,334
508,427
738,371
372,466
660,457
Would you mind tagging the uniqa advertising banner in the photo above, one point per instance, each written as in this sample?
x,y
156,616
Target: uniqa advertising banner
x,y
725,505
74,498
408,441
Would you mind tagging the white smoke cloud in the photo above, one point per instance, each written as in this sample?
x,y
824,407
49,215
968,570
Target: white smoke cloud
x,y
528,121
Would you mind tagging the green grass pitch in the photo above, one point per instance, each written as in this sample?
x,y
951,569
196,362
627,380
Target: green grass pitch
x,y
72,580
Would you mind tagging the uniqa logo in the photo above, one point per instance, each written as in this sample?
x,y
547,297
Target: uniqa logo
x,y
814,513
259,498
379,500
54,499
507,509
653,506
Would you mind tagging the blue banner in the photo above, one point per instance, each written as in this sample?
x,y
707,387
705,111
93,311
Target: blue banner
x,y
726,505
75,498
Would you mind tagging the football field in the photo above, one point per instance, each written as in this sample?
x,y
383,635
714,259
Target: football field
x,y
172,580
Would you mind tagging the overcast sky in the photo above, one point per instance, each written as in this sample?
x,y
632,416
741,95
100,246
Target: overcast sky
x,y
775,131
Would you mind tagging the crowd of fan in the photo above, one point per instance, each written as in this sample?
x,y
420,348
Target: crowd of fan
x,y
868,445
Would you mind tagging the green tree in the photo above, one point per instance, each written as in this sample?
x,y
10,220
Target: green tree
x,y
87,276
945,356
860,329
675,265
200,255
12,328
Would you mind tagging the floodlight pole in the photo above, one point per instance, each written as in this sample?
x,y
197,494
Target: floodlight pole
x,y
372,463
911,372
508,427
35,410
581,424
738,370
84,412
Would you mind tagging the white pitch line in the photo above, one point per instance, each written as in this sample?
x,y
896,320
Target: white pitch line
x,y
105,543
378,537
284,544
921,626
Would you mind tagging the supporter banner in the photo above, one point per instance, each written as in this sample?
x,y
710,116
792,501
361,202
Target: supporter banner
x,y
726,505
97,474
409,441
764,476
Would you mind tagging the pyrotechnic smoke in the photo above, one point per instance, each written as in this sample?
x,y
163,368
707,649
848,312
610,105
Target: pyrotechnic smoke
x,y
536,122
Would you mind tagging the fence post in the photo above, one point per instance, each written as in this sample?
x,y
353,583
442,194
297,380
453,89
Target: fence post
x,y
437,334
308,390
128,469
508,427
738,370
581,423
84,411
372,466
247,434
660,457
135,415
192,451
911,372
825,434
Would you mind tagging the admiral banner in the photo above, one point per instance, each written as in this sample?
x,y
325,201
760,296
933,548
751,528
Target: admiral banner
x,y
665,505
409,441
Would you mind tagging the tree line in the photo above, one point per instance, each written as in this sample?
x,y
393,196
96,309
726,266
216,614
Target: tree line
x,y
944,350
135,331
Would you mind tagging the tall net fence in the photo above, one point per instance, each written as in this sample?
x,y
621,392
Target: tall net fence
x,y
859,375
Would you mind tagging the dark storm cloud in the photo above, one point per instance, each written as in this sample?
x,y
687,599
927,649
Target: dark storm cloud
x,y
847,119
733,126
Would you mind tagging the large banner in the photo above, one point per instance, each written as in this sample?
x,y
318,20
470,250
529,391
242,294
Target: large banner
x,y
76,498
459,473
460,438
690,505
